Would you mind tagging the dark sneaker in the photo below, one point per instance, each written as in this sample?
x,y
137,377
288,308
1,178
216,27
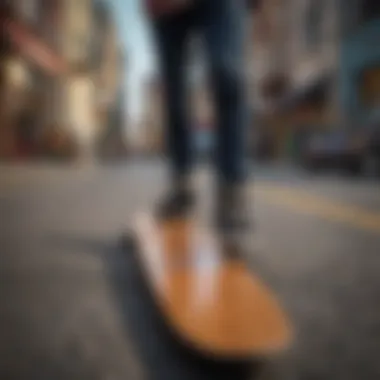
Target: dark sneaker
x,y
232,249
232,214
178,203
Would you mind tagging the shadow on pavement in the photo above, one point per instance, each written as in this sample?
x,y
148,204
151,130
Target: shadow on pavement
x,y
163,357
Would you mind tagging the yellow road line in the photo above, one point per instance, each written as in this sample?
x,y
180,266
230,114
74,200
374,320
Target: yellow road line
x,y
303,202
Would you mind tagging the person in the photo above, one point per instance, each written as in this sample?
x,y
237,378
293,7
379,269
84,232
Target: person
x,y
221,25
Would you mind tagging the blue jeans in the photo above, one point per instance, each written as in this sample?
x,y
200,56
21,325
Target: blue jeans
x,y
221,25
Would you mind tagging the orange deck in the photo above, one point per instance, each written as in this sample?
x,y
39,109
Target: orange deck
x,y
217,306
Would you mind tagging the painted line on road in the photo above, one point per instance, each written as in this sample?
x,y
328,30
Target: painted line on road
x,y
300,201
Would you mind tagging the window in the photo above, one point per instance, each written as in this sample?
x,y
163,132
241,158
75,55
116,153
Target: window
x,y
314,24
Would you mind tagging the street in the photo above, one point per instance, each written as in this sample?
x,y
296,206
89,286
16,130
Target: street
x,y
72,304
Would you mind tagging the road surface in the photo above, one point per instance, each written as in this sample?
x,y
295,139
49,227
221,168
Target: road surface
x,y
72,304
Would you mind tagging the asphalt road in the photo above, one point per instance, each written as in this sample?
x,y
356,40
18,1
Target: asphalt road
x,y
73,306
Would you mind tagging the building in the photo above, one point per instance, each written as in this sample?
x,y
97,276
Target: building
x,y
78,89
61,63
316,67
267,59
296,65
112,142
109,63
90,44
150,134
314,60
28,62
359,74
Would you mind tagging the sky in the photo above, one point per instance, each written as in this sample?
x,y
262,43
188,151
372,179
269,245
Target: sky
x,y
140,62
134,35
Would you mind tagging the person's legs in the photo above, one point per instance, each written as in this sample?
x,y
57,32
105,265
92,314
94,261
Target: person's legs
x,y
223,28
172,35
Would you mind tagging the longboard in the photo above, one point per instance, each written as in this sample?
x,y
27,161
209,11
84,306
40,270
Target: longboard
x,y
216,305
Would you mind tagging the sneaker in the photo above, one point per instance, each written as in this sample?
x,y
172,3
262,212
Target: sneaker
x,y
179,202
232,209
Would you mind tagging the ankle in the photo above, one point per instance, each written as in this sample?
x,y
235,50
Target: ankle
x,y
231,190
183,184
232,208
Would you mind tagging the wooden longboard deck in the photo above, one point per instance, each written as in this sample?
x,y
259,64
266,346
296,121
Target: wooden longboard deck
x,y
216,305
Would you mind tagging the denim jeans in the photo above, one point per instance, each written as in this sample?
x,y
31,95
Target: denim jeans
x,y
221,26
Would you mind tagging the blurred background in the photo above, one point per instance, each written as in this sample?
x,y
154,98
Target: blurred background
x,y
78,80
81,98
62,89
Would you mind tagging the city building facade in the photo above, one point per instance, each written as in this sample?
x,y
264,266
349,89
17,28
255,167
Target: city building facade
x,y
359,74
315,66
51,75
28,62
295,67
